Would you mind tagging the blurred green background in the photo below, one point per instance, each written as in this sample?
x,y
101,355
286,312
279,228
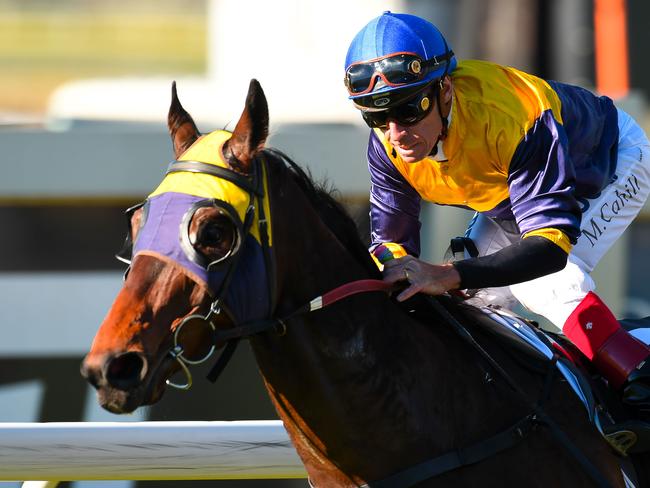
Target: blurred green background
x,y
46,43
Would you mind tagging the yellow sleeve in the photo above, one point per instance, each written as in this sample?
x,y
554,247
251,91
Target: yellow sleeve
x,y
387,251
556,236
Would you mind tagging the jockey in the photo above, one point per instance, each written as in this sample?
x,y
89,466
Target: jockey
x,y
554,173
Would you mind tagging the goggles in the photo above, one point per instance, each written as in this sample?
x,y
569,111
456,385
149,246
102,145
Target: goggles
x,y
407,113
396,69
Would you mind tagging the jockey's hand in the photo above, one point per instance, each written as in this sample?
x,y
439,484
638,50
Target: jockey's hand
x,y
421,277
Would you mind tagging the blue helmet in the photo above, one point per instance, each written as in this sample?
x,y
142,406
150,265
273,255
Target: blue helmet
x,y
395,56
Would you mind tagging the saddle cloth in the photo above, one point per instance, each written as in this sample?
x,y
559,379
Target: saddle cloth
x,y
521,335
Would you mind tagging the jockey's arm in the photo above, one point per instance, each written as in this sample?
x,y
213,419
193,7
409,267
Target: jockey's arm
x,y
522,261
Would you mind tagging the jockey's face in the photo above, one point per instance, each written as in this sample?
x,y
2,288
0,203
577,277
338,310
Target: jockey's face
x,y
415,142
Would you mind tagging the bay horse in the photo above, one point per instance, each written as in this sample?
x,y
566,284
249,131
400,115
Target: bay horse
x,y
237,241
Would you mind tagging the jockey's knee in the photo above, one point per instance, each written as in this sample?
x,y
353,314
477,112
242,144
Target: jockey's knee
x,y
555,296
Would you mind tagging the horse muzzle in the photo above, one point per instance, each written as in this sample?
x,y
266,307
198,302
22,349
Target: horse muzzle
x,y
120,380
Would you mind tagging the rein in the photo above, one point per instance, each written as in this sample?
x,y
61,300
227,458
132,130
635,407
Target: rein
x,y
413,475
348,289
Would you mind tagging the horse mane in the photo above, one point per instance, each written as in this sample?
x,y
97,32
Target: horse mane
x,y
332,212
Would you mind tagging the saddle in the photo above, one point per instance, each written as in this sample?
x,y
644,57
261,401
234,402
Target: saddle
x,y
617,422
535,348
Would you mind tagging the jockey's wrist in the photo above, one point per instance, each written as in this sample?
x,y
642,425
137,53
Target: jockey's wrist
x,y
522,261
453,279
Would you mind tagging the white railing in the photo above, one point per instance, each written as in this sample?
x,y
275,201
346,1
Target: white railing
x,y
70,451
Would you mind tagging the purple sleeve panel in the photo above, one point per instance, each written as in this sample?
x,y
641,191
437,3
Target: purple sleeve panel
x,y
394,203
591,124
541,180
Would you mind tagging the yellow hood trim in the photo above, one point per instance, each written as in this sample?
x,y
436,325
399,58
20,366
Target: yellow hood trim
x,y
208,149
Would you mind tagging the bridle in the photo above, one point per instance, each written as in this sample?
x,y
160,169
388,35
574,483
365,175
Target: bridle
x,y
405,478
255,190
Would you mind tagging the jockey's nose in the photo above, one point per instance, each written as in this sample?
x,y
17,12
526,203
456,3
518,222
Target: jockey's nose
x,y
395,128
395,132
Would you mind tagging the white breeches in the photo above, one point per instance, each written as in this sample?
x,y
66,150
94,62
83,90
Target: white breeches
x,y
604,219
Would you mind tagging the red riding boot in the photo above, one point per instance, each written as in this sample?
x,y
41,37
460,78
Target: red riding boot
x,y
617,355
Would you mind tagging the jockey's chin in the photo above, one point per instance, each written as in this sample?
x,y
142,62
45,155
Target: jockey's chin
x,y
411,155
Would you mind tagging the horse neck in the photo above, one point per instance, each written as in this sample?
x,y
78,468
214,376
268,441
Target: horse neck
x,y
360,368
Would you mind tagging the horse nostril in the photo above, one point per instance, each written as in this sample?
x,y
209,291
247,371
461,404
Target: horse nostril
x,y
92,375
126,370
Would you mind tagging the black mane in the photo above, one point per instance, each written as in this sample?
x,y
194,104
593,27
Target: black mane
x,y
331,211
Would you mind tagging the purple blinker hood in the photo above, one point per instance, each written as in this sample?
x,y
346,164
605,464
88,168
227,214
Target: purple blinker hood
x,y
247,296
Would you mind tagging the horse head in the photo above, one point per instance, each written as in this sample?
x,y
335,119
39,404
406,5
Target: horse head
x,y
184,242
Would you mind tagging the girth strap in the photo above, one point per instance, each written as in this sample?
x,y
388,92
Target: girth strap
x,y
459,457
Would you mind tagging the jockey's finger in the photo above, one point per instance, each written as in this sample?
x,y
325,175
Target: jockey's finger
x,y
408,293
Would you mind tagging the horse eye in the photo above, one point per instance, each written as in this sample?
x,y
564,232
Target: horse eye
x,y
212,234
215,237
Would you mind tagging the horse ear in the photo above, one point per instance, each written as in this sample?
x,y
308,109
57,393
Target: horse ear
x,y
251,131
182,128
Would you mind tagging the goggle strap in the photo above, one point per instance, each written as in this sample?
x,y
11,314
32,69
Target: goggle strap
x,y
437,60
445,120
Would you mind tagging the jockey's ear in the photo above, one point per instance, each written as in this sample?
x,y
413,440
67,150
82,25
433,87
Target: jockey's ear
x,y
446,88
182,128
251,131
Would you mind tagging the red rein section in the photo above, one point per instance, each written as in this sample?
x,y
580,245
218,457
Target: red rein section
x,y
348,289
